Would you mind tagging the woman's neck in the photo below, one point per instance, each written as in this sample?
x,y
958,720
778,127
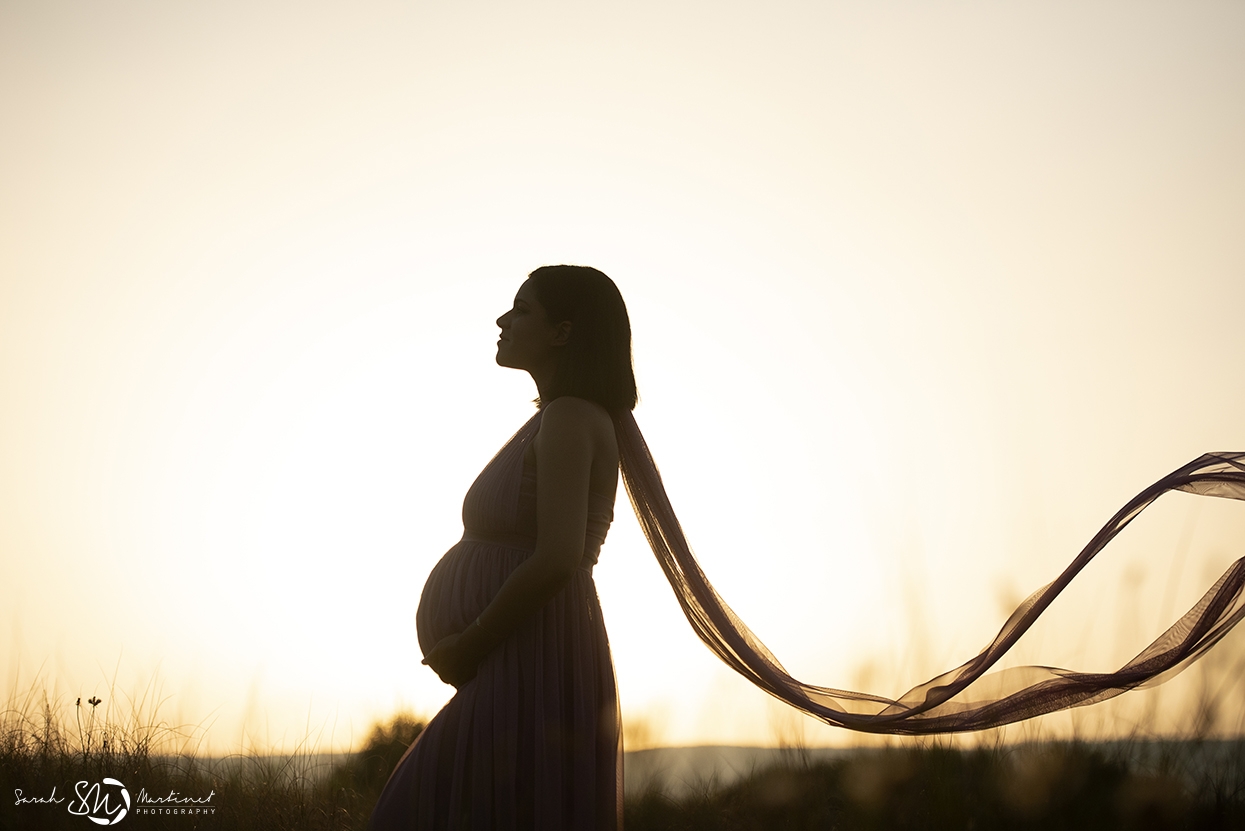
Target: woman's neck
x,y
543,376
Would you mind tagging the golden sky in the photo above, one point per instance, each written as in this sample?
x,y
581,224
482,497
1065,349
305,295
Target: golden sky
x,y
920,297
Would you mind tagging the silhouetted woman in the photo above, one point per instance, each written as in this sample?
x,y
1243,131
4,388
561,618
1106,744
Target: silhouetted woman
x,y
510,616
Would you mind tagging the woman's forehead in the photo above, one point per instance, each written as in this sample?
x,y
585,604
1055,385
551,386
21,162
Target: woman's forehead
x,y
525,292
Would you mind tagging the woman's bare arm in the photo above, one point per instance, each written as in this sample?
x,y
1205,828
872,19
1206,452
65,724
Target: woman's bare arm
x,y
569,440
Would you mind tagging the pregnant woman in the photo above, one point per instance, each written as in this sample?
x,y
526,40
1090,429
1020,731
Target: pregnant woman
x,y
510,615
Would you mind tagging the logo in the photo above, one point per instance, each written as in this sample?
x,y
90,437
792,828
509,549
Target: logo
x,y
108,802
96,802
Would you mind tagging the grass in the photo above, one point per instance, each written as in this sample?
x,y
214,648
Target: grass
x,y
1136,783
46,755
1065,785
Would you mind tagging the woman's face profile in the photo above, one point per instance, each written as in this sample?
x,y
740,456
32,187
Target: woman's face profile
x,y
527,338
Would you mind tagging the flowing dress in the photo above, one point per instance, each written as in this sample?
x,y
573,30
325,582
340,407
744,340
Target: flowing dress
x,y
534,740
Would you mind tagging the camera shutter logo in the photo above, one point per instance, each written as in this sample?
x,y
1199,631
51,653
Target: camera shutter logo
x,y
99,803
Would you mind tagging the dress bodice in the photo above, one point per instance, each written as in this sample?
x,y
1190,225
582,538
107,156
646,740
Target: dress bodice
x,y
500,506
600,515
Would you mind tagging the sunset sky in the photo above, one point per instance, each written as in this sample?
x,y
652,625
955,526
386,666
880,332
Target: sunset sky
x,y
921,294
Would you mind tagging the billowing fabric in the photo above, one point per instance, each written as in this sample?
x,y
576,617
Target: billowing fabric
x,y
534,740
947,703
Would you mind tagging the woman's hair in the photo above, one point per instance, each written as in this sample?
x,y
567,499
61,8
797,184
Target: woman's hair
x,y
596,361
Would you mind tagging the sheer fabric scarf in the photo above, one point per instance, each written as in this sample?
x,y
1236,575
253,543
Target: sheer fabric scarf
x,y
938,706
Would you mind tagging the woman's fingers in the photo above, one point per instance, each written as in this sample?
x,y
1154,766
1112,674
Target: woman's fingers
x,y
450,664
443,660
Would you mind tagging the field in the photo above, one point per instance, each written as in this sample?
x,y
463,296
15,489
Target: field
x,y
48,748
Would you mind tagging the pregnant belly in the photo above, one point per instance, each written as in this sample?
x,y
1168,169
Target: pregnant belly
x,y
461,586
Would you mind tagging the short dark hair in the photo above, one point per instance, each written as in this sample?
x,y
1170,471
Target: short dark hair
x,y
596,361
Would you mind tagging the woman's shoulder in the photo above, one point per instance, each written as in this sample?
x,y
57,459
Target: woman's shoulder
x,y
568,413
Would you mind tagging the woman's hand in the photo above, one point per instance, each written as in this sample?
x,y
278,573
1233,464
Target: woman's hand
x,y
456,658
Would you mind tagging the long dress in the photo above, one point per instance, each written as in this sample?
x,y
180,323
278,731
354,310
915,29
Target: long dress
x,y
534,740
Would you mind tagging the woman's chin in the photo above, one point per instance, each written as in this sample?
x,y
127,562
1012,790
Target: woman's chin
x,y
506,358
